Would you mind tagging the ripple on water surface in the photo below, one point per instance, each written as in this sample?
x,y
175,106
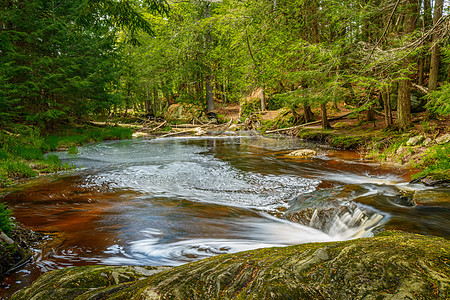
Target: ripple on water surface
x,y
185,171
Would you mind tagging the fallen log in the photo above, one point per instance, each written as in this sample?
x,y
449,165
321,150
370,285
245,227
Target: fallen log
x,y
423,89
177,133
307,124
157,127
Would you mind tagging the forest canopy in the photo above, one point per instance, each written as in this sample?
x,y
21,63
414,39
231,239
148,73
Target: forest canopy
x,y
69,60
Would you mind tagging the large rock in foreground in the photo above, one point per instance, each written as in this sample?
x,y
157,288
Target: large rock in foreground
x,y
393,265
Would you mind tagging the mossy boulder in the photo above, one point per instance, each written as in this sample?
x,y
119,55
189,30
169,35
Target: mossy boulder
x,y
347,141
80,282
184,113
393,265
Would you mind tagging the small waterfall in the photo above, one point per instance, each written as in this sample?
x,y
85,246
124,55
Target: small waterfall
x,y
340,220
355,223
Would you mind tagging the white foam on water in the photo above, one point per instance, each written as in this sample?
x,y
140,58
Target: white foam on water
x,y
258,233
213,181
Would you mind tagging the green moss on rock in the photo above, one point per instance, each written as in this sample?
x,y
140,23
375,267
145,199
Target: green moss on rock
x,y
393,265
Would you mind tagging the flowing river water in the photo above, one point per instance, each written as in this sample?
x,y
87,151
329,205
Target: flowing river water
x,y
176,200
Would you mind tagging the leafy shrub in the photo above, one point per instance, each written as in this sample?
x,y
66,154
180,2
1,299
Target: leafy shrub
x,y
5,221
438,100
50,143
436,162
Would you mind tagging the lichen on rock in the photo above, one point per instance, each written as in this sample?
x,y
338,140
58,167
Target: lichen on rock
x,y
392,265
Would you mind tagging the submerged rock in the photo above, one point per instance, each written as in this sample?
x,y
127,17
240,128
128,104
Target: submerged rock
x,y
393,265
303,153
434,197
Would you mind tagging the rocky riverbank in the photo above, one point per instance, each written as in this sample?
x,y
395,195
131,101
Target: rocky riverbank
x,y
15,248
392,265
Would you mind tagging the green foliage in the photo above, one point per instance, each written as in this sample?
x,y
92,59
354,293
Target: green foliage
x,y
249,106
73,150
50,143
60,59
3,154
29,153
53,159
439,100
21,150
5,221
78,137
116,133
436,163
17,169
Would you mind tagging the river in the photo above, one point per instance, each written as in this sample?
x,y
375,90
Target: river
x,y
175,200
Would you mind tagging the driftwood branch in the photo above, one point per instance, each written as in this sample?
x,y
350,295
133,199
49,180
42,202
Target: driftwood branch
x,y
157,127
177,133
307,124
421,88
6,239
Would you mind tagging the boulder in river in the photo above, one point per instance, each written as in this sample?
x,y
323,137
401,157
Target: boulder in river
x,y
434,197
392,265
303,153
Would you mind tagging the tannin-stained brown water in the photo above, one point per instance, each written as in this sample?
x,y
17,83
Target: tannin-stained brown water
x,y
171,201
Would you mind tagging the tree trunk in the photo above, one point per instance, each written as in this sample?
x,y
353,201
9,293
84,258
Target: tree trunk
x,y
427,17
208,86
387,109
404,85
325,123
209,94
435,53
404,104
309,116
263,99
421,68
315,26
370,115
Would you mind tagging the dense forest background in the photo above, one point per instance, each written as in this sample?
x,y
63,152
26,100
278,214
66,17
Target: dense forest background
x,y
68,60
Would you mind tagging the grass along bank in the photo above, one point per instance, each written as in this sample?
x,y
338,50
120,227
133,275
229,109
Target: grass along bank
x,y
22,148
